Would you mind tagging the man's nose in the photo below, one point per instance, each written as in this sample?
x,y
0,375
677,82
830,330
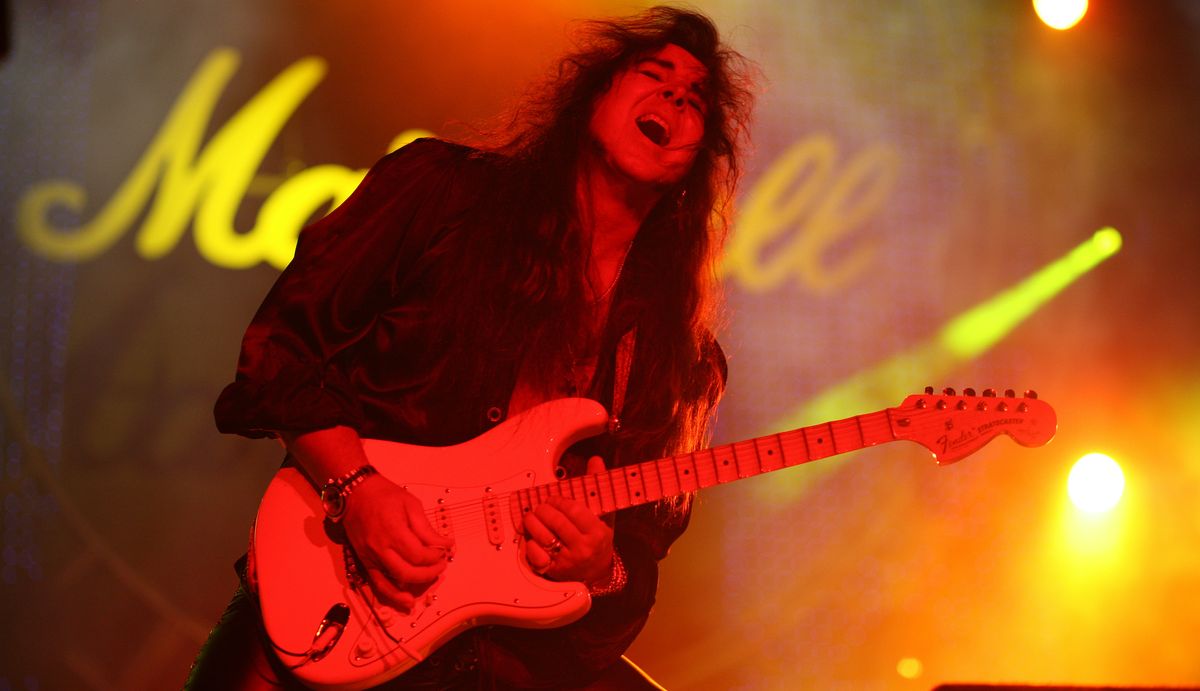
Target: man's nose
x,y
674,95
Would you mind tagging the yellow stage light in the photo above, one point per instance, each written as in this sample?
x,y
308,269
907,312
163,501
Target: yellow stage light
x,y
909,668
1060,14
1096,483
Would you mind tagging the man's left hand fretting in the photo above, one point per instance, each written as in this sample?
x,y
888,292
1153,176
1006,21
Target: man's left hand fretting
x,y
565,541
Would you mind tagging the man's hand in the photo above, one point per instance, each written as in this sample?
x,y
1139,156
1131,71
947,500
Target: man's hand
x,y
566,541
386,525
400,551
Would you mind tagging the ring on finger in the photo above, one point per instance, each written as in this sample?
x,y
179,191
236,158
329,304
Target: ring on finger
x,y
554,547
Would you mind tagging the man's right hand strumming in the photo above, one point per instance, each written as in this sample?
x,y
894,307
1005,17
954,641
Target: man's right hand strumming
x,y
386,525
400,551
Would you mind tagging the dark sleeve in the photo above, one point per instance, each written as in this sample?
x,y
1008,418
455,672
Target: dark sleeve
x,y
643,535
345,270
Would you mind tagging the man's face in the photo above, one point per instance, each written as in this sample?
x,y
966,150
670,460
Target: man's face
x,y
650,122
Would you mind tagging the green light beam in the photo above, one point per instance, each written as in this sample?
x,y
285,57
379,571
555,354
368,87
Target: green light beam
x,y
965,337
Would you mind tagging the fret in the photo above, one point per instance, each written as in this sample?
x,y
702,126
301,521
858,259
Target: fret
x,y
595,495
652,481
758,461
636,482
807,451
741,459
725,467
685,476
620,486
880,431
846,435
663,490
770,453
749,464
610,486
817,441
573,487
706,471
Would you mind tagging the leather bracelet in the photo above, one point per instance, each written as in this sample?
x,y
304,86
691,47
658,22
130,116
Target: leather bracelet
x,y
617,579
335,491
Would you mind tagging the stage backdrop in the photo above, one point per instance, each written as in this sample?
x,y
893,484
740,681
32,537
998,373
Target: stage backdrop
x,y
921,207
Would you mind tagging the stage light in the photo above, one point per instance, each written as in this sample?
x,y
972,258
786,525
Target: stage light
x,y
1096,483
1060,14
909,668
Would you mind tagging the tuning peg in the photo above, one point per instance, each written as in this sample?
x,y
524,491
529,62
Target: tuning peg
x,y
1009,393
1030,393
962,405
928,390
1002,407
941,404
990,393
968,391
948,391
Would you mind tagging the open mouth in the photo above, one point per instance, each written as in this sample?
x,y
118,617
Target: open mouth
x,y
654,129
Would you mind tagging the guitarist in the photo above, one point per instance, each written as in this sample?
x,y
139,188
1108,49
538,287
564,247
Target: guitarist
x,y
573,254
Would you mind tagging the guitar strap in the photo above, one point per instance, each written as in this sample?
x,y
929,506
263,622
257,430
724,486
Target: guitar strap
x,y
624,364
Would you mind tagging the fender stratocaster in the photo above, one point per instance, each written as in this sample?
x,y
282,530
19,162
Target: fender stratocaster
x,y
327,630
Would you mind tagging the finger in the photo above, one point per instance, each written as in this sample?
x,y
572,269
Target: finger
x,y
595,465
538,530
383,591
551,514
419,522
403,573
581,516
410,547
539,559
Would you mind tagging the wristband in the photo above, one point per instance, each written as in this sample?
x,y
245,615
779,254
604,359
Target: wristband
x,y
335,491
617,579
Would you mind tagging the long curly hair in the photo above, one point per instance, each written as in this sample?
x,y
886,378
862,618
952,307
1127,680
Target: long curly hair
x,y
668,288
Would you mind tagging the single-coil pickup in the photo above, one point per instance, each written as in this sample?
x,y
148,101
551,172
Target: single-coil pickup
x,y
491,518
441,520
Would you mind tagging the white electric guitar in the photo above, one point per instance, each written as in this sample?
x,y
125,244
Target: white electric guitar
x,y
328,630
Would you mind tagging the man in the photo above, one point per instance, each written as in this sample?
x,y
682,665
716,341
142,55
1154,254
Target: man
x,y
459,287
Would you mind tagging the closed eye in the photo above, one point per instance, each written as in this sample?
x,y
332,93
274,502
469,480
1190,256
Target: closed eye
x,y
651,74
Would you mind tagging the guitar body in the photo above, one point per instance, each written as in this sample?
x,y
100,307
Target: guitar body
x,y
303,572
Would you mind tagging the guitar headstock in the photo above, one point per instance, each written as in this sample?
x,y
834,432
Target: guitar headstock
x,y
954,426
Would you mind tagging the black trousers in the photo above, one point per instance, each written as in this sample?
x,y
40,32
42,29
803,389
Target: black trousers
x,y
237,657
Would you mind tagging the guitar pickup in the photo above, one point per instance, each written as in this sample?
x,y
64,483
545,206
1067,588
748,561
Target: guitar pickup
x,y
491,518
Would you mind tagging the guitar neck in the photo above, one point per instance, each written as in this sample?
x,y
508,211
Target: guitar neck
x,y
639,483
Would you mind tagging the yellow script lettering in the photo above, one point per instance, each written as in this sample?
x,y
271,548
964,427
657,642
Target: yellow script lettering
x,y
801,193
212,184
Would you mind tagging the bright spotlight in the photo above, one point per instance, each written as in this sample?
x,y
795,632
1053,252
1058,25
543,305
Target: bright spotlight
x,y
1096,483
1060,14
